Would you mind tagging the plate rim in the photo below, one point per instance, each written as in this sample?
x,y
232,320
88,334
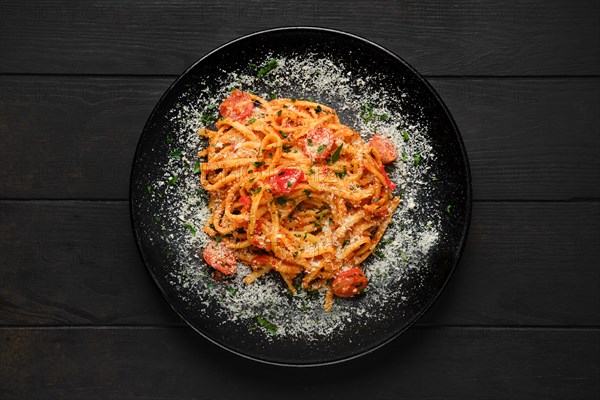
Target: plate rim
x,y
468,210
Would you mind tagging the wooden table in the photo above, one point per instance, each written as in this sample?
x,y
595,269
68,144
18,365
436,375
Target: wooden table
x,y
80,317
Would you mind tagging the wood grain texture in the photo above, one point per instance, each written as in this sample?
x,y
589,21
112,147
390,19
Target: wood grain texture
x,y
75,263
74,137
525,37
176,363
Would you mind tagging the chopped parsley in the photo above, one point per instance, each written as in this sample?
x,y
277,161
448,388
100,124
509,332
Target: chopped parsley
x,y
286,148
307,193
295,254
176,154
367,113
310,142
435,179
346,241
258,164
173,180
149,189
282,200
196,168
405,135
417,159
272,96
269,326
336,154
250,121
190,228
289,184
449,209
384,117
269,66
206,119
231,291
279,113
318,109
378,253
341,174
320,148
283,134
218,237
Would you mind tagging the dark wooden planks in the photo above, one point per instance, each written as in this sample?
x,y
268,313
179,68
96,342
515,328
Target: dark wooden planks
x,y
74,137
526,37
176,363
75,263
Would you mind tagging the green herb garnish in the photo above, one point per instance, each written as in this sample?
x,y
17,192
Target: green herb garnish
x,y
307,193
196,168
269,326
405,135
173,180
367,113
190,228
320,149
176,154
269,66
250,121
149,189
258,164
417,159
206,119
336,154
341,174
318,109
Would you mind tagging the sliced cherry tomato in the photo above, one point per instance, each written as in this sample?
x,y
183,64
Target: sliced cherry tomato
x,y
386,149
318,143
245,200
349,282
388,181
238,106
286,180
220,257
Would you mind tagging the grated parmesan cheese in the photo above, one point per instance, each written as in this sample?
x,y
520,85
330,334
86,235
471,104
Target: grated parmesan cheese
x,y
405,245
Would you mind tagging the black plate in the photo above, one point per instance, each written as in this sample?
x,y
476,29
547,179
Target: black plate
x,y
447,201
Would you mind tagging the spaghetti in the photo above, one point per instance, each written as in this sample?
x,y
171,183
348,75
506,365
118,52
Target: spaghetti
x,y
292,190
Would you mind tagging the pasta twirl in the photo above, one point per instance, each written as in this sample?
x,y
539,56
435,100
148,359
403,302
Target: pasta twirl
x,y
294,191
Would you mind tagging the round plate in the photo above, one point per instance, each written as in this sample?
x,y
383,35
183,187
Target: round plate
x,y
373,90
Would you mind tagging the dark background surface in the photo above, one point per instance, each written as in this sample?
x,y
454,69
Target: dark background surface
x,y
80,317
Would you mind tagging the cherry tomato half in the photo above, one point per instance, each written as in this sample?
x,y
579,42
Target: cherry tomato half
x,y
387,179
238,106
386,149
220,257
318,143
349,282
286,180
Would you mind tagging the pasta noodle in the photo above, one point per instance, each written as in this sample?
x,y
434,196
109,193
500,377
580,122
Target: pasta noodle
x,y
292,190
